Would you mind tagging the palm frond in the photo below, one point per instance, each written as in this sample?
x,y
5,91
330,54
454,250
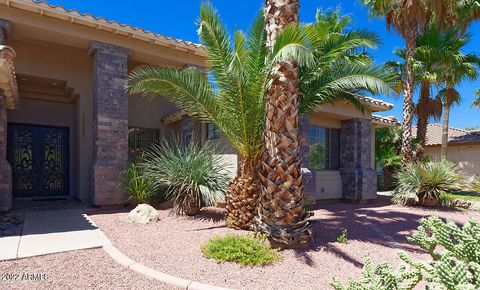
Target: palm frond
x,y
189,88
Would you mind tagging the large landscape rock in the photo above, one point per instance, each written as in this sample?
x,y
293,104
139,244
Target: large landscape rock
x,y
143,214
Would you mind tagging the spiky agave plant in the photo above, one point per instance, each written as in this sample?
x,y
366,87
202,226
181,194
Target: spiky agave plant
x,y
425,183
192,174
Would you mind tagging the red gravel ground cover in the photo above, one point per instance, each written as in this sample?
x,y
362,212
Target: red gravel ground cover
x,y
172,245
83,269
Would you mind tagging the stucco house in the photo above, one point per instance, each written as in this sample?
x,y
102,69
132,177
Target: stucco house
x,y
463,147
68,128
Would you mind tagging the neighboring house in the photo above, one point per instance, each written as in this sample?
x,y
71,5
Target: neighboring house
x,y
463,147
70,128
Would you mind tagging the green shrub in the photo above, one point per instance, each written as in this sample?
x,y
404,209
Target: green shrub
x,y
425,183
140,188
343,237
476,184
455,262
243,250
193,175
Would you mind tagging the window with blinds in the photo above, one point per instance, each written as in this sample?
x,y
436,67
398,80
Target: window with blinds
x,y
324,148
139,140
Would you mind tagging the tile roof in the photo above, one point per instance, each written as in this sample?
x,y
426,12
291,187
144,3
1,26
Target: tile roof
x,y
455,135
389,121
8,82
59,12
376,105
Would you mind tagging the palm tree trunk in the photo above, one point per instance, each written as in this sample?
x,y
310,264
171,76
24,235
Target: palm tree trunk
x,y
408,83
423,118
281,212
445,127
243,195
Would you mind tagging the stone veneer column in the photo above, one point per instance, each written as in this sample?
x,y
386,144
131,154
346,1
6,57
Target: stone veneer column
x,y
358,176
5,168
110,123
309,176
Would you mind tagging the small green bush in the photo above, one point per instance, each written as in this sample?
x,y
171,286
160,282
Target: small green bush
x,y
140,188
343,237
243,250
425,183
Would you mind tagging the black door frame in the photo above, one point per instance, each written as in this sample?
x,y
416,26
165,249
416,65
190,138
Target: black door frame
x,y
66,155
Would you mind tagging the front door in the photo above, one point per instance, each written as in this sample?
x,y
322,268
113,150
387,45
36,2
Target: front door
x,y
39,158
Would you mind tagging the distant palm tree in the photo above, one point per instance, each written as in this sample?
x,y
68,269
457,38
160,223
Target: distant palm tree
x,y
476,103
457,68
233,94
410,18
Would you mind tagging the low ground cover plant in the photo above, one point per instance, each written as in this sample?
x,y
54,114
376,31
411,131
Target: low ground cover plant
x,y
191,173
343,237
454,264
244,250
426,183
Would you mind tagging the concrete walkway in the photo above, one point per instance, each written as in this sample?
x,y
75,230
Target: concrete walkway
x,y
52,231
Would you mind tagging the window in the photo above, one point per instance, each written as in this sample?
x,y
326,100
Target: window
x,y
324,148
139,140
212,131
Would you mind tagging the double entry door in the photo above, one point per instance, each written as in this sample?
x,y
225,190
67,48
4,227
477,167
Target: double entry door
x,y
39,156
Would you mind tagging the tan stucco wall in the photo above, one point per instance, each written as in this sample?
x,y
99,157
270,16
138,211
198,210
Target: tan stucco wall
x,y
75,67
466,156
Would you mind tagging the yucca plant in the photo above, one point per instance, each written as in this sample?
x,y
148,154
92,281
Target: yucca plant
x,y
140,188
476,184
233,94
425,183
192,174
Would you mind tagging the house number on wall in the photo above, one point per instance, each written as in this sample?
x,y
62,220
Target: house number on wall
x,y
84,127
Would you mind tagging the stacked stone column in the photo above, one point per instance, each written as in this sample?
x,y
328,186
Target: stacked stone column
x,y
5,168
358,176
110,123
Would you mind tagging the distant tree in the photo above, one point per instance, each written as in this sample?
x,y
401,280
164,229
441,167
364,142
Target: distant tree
x,y
387,153
476,103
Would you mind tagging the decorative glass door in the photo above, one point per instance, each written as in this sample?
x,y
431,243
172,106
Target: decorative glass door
x,y
39,158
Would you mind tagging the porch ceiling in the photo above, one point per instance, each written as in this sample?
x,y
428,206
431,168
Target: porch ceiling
x,y
8,82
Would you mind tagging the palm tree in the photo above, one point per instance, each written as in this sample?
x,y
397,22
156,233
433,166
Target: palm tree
x,y
281,212
458,67
233,94
410,18
476,103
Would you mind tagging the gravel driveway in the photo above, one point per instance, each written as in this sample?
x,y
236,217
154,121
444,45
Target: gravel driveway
x,y
82,269
172,245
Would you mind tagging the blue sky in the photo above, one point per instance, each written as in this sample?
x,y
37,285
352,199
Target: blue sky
x,y
177,19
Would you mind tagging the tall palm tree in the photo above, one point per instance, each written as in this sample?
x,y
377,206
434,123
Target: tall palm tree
x,y
233,97
457,68
476,103
410,18
281,211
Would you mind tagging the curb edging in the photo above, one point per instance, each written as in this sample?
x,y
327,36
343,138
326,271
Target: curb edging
x,y
130,264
